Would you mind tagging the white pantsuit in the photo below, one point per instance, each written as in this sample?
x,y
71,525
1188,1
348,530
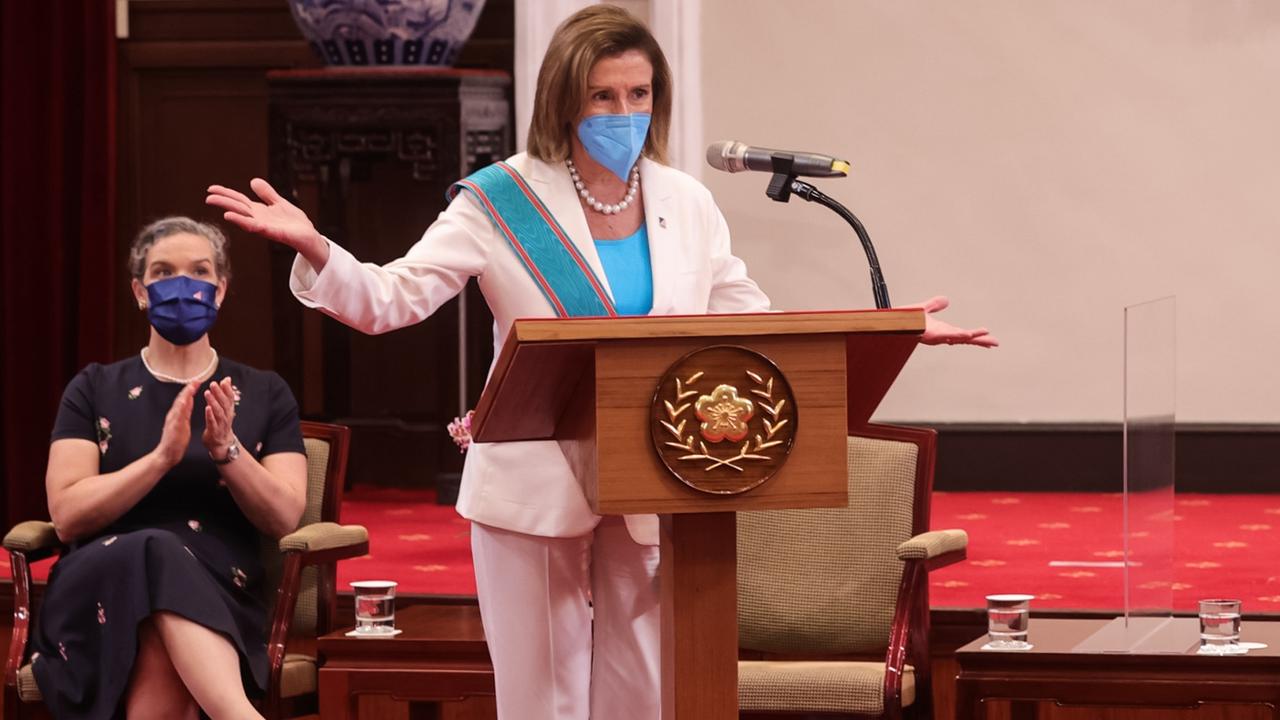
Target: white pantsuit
x,y
523,494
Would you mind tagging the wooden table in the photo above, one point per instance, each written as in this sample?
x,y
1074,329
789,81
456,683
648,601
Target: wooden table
x,y
1052,672
440,655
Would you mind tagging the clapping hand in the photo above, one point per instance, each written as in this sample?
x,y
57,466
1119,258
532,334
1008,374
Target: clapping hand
x,y
176,434
219,415
941,332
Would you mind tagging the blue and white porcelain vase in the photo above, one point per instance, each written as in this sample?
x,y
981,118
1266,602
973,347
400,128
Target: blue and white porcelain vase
x,y
387,32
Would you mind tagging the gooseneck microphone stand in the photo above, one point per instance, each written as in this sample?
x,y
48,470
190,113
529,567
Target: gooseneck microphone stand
x,y
784,184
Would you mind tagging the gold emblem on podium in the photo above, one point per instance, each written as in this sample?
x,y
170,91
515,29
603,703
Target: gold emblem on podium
x,y
723,419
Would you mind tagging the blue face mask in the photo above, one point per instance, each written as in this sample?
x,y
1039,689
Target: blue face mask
x,y
615,141
182,309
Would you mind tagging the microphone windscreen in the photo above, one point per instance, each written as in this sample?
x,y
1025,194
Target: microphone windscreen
x,y
717,155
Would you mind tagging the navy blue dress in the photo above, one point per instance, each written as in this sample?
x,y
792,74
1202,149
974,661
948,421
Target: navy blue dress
x,y
186,547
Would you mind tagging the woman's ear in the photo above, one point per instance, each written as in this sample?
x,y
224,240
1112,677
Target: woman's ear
x,y
222,292
139,293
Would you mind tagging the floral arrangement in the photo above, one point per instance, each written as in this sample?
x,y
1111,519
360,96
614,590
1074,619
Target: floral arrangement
x,y
460,430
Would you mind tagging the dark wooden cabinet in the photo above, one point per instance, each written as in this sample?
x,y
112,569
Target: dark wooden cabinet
x,y
368,153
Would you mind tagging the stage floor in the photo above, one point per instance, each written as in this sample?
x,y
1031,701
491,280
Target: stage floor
x,y
1063,548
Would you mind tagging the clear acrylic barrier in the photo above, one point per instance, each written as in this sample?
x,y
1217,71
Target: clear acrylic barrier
x,y
1149,413
1148,532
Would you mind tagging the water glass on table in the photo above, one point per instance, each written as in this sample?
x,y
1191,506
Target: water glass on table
x,y
375,602
1220,627
1008,620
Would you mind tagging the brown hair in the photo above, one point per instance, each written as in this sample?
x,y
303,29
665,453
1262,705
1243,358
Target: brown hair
x,y
173,225
587,36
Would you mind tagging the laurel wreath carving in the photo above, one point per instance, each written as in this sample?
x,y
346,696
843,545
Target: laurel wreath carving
x,y
675,424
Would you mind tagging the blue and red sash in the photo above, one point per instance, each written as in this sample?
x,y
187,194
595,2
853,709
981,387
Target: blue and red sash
x,y
550,257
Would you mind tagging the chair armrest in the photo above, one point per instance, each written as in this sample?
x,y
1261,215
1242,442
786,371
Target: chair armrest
x,y
324,541
937,547
33,537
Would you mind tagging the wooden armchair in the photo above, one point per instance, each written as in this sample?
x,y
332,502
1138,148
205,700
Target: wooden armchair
x,y
302,567
833,604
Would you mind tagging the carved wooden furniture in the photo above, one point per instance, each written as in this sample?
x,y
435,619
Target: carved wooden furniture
x,y
1052,672
602,388
368,153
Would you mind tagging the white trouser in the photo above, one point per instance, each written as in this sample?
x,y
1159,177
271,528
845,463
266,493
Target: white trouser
x,y
538,596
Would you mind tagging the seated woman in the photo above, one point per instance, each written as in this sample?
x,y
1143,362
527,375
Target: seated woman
x,y
164,471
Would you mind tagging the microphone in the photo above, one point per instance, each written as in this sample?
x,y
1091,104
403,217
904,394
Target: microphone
x,y
733,157
786,166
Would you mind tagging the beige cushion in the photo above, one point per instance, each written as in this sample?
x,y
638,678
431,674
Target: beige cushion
x,y
298,676
317,465
307,608
323,536
932,544
31,535
817,687
28,691
825,581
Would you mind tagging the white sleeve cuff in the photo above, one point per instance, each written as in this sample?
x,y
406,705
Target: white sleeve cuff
x,y
311,287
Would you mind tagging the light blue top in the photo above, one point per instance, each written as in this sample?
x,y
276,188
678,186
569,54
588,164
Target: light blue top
x,y
626,264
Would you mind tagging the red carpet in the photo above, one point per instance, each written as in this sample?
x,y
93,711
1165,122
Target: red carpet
x,y
421,545
1226,547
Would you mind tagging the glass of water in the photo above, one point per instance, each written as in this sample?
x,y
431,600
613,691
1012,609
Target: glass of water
x,y
1008,618
1219,626
375,607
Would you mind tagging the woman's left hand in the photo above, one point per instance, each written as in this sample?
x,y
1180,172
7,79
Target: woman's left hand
x,y
219,415
941,332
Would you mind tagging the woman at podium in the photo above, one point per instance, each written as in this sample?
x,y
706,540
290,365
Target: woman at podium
x,y
590,221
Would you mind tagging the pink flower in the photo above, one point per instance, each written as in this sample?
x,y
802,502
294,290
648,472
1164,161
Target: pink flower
x,y
460,430
104,434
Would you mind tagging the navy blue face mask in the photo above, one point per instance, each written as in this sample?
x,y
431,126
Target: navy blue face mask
x,y
182,309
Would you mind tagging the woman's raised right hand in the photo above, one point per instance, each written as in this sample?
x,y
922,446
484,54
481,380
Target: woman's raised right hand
x,y
176,435
273,217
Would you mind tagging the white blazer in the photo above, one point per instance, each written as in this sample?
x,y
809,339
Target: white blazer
x,y
528,487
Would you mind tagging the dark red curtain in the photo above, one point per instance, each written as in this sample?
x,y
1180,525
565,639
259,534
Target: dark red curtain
x,y
57,222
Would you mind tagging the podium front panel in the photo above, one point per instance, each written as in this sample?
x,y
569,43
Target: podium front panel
x,y
630,477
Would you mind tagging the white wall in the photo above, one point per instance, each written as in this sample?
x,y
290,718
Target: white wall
x,y
1043,163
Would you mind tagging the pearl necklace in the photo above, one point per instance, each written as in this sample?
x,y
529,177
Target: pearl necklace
x,y
169,378
632,188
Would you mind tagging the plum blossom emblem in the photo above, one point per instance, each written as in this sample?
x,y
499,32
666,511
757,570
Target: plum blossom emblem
x,y
724,415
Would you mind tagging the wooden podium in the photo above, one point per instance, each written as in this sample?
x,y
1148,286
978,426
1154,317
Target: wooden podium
x,y
619,395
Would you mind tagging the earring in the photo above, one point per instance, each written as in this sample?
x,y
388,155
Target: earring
x,y
142,304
